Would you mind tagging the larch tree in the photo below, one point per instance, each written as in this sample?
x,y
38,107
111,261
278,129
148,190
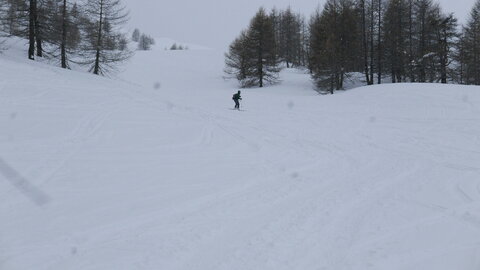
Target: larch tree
x,y
395,37
335,45
67,34
365,42
252,57
262,49
101,52
426,21
447,37
289,40
238,61
470,48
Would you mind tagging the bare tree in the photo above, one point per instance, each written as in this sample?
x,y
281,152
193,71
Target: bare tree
x,y
101,51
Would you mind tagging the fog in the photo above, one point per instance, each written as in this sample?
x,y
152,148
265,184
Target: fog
x,y
215,23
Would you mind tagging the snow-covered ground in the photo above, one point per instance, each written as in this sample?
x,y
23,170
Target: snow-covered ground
x,y
152,170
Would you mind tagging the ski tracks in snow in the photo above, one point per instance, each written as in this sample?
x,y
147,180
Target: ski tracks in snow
x,y
86,129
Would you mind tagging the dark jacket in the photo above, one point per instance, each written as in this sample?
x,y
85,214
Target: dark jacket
x,y
237,97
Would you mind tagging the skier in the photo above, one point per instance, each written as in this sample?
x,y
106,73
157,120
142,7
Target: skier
x,y
236,97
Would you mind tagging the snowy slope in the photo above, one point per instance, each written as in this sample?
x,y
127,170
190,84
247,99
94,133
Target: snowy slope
x,y
152,170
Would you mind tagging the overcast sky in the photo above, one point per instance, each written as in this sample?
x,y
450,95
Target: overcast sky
x,y
215,23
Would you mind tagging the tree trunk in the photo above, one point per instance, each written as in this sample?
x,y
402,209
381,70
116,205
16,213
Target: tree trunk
x,y
380,53
64,35
372,49
39,46
38,35
475,59
342,78
394,76
96,69
462,60
400,47
365,43
260,61
444,56
422,47
31,29
410,41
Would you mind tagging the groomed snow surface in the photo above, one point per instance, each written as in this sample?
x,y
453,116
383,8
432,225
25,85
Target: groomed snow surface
x,y
152,169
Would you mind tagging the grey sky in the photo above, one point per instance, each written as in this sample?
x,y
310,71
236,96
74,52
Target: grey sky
x,y
215,23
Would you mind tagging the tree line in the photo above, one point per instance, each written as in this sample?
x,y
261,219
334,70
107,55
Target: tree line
x,y
86,34
254,58
385,40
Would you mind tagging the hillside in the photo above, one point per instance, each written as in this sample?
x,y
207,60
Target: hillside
x,y
152,170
